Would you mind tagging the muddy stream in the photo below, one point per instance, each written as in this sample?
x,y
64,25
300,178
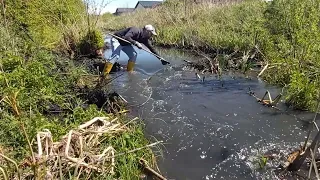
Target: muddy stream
x,y
212,129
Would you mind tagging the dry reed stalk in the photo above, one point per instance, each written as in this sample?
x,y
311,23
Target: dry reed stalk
x,y
262,71
79,149
3,173
314,163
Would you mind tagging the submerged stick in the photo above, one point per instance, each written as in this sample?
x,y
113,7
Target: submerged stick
x,y
310,170
145,166
314,163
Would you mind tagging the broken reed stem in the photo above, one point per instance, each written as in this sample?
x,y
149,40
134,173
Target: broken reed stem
x,y
129,122
28,141
123,98
307,139
2,99
66,152
137,149
13,162
315,124
89,174
146,166
262,71
81,145
310,170
4,174
89,123
314,163
34,167
39,145
210,61
113,164
60,166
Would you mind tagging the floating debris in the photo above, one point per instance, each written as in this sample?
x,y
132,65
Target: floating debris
x,y
267,102
199,77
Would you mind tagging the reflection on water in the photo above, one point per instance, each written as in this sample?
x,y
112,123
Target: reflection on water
x,y
211,129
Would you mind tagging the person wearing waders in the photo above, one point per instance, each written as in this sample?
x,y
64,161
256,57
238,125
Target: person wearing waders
x,y
136,36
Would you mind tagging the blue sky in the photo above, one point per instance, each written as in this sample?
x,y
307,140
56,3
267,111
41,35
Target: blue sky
x,y
112,5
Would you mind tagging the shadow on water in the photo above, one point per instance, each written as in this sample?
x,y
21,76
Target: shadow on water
x,y
211,129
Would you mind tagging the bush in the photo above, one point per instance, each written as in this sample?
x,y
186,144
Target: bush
x,y
44,21
295,33
90,43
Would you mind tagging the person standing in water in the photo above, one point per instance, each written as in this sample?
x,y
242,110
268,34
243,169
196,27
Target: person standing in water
x,y
135,36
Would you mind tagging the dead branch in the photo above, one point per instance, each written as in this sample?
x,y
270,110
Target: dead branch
x,y
314,164
267,102
153,172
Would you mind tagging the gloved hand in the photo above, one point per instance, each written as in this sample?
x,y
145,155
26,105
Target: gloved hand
x,y
138,45
164,62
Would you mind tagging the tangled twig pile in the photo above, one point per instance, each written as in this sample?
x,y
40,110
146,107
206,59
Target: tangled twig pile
x,y
78,151
79,147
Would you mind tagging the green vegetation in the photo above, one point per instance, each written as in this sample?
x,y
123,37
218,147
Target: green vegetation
x,y
40,83
283,33
91,42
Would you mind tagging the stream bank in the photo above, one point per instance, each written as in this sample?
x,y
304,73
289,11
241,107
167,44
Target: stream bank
x,y
44,103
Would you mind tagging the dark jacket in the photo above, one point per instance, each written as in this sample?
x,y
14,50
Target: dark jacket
x,y
133,34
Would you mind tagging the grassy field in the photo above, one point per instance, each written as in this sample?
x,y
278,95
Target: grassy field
x,y
40,91
282,33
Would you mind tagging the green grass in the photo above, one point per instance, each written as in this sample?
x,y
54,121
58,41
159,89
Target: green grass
x,y
283,33
36,75
134,138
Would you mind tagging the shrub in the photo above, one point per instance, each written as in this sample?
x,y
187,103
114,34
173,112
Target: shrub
x,y
90,43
